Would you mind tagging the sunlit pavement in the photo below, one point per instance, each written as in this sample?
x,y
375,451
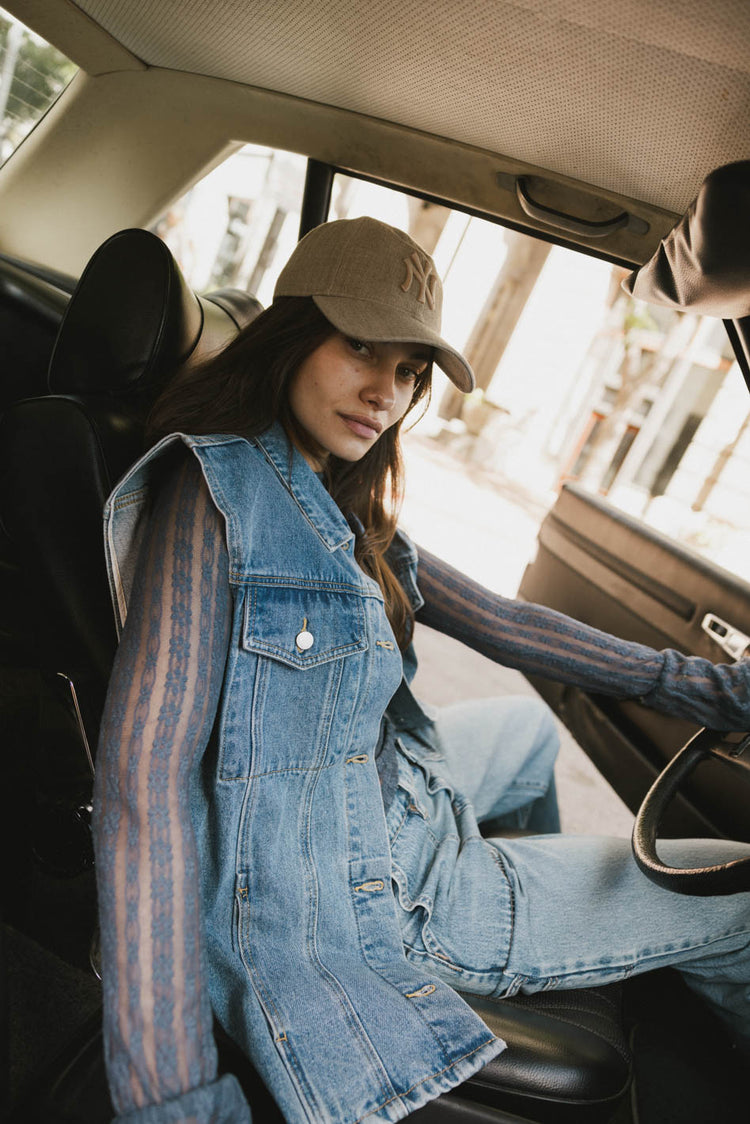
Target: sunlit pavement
x,y
488,530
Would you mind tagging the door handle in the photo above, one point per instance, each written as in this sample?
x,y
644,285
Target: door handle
x,y
734,642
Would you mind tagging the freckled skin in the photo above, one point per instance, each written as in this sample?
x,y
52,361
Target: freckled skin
x,y
347,392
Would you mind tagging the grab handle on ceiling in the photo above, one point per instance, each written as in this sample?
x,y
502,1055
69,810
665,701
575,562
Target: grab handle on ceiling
x,y
569,223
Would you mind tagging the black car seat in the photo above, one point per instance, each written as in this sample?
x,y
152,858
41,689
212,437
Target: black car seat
x,y
131,322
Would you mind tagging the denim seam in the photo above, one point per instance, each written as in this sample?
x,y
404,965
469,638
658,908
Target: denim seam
x,y
397,831
482,975
129,499
246,955
496,854
443,960
250,611
236,699
430,1077
442,956
277,772
627,968
219,499
428,1025
275,651
450,836
364,674
327,977
309,585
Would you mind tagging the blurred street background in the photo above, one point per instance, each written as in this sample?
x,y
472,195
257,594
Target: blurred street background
x,y
487,528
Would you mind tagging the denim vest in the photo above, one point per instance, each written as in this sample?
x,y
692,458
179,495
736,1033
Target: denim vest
x,y
307,970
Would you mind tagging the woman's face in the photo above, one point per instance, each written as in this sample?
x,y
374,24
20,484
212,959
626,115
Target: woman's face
x,y
347,392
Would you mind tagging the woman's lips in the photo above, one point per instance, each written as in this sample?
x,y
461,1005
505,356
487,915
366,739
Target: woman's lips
x,y
362,426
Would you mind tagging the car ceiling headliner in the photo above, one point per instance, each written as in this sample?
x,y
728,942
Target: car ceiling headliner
x,y
639,97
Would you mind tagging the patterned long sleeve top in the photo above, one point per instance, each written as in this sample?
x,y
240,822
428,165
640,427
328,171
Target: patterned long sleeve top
x,y
541,641
161,705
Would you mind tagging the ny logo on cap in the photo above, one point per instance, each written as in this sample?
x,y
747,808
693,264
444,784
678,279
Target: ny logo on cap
x,y
421,271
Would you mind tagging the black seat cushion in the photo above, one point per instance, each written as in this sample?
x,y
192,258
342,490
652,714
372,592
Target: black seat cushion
x,y
565,1048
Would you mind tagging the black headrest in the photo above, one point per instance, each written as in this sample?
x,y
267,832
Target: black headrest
x,y
703,265
133,319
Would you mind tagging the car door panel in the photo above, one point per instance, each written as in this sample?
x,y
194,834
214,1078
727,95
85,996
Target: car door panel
x,y
612,571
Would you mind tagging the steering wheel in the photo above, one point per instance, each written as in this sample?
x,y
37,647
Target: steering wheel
x,y
727,878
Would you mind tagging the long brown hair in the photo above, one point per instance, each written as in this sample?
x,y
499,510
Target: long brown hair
x,y
244,389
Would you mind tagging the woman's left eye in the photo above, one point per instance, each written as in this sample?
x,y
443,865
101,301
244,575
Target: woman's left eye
x,y
408,374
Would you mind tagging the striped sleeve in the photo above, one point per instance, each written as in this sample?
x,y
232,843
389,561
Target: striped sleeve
x,y
541,641
162,700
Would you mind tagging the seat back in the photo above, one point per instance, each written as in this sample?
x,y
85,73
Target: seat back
x,y
130,324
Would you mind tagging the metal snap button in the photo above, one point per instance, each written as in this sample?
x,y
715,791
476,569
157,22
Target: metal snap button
x,y
304,640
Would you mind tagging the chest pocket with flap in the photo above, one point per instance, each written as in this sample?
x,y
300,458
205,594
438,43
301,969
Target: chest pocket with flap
x,y
303,627
291,680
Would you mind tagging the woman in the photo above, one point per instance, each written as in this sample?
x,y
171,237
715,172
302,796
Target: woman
x,y
283,834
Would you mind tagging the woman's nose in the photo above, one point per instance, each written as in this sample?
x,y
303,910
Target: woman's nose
x,y
380,389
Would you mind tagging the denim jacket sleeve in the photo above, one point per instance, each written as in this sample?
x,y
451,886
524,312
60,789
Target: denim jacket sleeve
x,y
162,699
540,641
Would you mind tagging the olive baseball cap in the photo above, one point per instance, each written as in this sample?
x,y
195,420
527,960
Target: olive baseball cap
x,y
373,282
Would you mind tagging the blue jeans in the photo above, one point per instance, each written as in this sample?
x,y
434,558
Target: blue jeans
x,y
503,916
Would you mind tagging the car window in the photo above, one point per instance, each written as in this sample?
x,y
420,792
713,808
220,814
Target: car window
x,y
33,74
576,381
237,226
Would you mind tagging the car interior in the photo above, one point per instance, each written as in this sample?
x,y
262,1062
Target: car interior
x,y
532,116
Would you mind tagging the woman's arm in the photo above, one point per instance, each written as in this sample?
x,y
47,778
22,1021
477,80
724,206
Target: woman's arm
x,y
161,704
541,641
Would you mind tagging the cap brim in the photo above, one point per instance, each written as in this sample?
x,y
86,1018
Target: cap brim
x,y
382,324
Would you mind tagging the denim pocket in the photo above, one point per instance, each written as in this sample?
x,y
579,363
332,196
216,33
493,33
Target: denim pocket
x,y
455,900
296,650
303,625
